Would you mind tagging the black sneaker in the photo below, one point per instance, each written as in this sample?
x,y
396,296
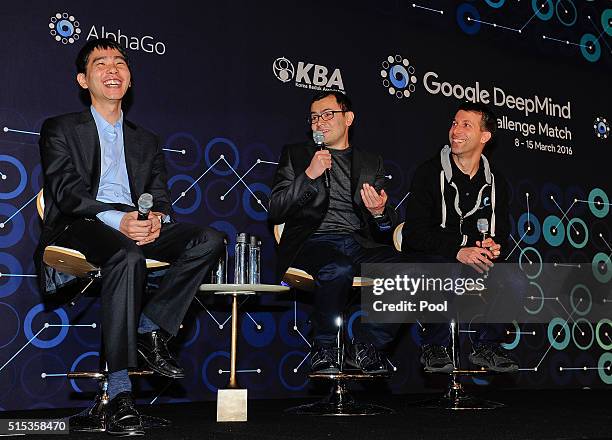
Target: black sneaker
x,y
435,359
366,358
492,357
324,360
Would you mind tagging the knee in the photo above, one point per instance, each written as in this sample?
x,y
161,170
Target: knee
x,y
341,271
209,241
129,255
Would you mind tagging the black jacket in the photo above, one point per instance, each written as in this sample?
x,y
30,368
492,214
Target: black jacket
x,y
301,203
434,227
70,157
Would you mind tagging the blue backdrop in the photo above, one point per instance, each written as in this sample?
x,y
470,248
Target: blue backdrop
x,y
226,85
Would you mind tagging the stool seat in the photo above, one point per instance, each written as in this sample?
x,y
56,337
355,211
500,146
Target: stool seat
x,y
300,279
345,375
73,262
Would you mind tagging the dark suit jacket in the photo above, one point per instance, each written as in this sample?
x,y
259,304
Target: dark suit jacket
x,y
70,156
301,203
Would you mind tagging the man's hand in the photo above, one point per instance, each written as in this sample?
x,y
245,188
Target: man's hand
x,y
476,257
372,200
320,162
490,244
141,231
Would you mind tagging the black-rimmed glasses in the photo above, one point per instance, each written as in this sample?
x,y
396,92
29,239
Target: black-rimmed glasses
x,y
325,116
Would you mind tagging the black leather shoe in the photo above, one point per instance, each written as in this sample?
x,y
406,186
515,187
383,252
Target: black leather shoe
x,y
122,418
324,360
153,347
367,358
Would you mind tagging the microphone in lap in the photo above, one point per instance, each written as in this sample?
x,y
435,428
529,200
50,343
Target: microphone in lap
x,y
145,203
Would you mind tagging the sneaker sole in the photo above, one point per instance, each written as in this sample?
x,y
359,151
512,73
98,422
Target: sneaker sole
x,y
512,369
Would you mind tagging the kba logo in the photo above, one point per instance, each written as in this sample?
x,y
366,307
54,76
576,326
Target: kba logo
x,y
398,76
308,75
64,28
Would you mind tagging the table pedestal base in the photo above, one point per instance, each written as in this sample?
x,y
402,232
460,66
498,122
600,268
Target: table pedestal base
x,y
232,405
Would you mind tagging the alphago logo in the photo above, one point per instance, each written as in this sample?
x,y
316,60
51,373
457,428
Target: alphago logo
x,y
307,75
398,76
64,28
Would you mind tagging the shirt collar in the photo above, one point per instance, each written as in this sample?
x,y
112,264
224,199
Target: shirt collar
x,y
103,123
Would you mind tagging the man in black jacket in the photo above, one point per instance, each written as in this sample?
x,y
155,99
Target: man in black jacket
x,y
330,229
96,164
448,196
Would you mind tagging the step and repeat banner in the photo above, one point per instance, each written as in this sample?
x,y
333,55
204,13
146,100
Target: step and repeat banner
x,y
226,85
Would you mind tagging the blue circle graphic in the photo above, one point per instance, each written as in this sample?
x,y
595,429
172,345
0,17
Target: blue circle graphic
x,y
351,322
602,260
13,267
195,187
27,327
262,336
23,177
64,28
532,236
470,27
574,13
174,157
590,41
554,230
209,359
5,323
196,333
496,3
537,9
399,76
282,362
76,362
584,234
599,208
16,225
221,140
246,201
553,338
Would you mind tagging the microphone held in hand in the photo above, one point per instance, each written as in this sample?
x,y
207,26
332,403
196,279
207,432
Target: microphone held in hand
x,y
145,203
319,140
483,227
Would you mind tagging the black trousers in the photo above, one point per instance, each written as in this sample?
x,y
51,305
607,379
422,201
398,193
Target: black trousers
x,y
333,260
192,252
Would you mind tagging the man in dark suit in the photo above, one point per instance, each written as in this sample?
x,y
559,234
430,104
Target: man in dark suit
x,y
96,164
331,229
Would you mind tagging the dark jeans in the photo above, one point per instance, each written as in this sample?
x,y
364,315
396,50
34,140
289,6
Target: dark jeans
x,y
333,260
191,251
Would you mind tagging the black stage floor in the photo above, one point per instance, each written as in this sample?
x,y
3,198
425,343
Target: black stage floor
x,y
574,414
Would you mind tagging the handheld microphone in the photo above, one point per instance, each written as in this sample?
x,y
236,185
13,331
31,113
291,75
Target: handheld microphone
x,y
319,140
483,227
145,203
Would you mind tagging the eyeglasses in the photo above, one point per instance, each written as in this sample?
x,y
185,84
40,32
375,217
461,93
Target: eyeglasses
x,y
325,116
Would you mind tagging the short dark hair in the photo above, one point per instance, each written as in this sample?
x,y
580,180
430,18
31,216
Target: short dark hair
x,y
344,101
100,43
488,119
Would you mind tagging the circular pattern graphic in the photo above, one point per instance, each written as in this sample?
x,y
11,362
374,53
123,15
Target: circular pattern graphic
x,y
554,231
602,267
187,154
76,362
566,12
32,381
529,228
398,76
496,3
27,327
553,335
582,233
468,18
283,69
9,265
11,231
606,21
603,334
222,157
254,193
605,368
290,323
599,202
9,315
218,194
216,361
580,330
577,299
543,9
64,28
540,298
192,185
590,47
23,177
261,332
527,266
602,128
287,373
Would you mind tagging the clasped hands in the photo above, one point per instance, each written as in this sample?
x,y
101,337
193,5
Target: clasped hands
x,y
481,256
141,231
